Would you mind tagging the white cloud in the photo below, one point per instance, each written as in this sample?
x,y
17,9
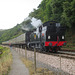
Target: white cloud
x,y
15,11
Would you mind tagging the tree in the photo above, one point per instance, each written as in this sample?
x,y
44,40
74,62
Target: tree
x,y
68,15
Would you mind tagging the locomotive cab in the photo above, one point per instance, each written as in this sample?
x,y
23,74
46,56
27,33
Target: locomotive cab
x,y
55,36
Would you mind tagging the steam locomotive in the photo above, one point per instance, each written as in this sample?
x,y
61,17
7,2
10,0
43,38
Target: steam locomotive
x,y
48,37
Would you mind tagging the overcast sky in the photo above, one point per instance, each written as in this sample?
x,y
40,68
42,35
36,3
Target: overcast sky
x,y
13,12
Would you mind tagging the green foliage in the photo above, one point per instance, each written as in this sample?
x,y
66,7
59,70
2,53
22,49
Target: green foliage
x,y
5,60
26,22
6,35
3,50
67,13
62,11
10,33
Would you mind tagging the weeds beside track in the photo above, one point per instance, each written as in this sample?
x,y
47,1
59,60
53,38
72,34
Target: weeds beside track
x,y
5,60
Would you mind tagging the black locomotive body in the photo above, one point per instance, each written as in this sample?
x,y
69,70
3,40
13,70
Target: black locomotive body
x,y
49,37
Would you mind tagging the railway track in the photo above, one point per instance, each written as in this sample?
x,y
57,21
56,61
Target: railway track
x,y
67,53
63,54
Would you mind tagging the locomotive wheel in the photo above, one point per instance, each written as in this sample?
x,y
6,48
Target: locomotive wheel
x,y
56,49
41,49
50,49
45,49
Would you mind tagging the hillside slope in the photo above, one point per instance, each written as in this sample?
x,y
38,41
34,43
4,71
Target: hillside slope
x,y
6,35
10,33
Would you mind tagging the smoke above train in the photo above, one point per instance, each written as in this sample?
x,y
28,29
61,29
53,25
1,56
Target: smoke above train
x,y
36,22
30,23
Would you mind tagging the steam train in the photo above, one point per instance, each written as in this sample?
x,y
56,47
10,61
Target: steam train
x,y
48,37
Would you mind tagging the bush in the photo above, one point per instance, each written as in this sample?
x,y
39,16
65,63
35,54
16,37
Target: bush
x,y
5,60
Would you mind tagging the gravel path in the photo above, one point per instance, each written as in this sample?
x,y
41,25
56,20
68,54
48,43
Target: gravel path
x,y
17,68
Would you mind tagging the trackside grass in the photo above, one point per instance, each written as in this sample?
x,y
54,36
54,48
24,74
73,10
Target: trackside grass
x,y
5,60
39,71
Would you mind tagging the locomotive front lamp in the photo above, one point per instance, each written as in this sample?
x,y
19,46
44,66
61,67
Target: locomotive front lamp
x,y
62,37
49,37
